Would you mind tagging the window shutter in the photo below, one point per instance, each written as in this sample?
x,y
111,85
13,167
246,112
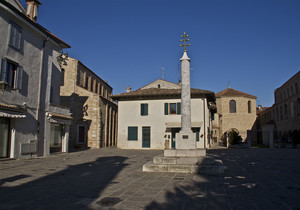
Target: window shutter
x,y
19,79
3,70
178,108
132,133
145,109
166,108
142,109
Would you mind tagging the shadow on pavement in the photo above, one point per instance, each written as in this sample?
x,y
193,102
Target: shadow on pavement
x,y
73,188
253,179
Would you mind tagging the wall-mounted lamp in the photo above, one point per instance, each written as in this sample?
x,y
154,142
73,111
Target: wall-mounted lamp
x,y
61,59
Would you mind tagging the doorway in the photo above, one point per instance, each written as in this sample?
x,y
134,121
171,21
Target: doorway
x,y
4,137
146,137
56,138
173,136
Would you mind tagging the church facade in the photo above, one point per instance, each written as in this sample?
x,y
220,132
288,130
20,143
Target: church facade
x,y
236,110
150,117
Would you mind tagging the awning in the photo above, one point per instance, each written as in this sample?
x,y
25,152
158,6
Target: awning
x,y
59,118
11,114
178,124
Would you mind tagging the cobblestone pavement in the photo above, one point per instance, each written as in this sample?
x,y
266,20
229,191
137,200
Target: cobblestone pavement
x,y
111,178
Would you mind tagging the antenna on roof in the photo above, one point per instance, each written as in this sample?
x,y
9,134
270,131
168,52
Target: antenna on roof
x,y
163,72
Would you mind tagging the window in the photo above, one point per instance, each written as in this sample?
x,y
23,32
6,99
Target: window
x,y
15,36
11,73
249,106
81,135
51,94
144,109
288,92
280,113
172,108
285,111
296,87
292,91
62,77
298,107
277,117
92,85
232,106
132,133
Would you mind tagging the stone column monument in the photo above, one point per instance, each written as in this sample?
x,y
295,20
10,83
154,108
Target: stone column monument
x,y
186,158
185,139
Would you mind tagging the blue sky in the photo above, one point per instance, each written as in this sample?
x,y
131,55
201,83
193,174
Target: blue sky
x,y
252,44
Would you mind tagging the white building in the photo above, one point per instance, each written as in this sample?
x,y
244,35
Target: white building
x,y
150,117
32,122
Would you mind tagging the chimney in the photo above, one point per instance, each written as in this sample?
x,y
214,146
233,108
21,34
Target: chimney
x,y
32,9
128,89
259,107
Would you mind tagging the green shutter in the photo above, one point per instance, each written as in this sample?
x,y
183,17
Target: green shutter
x,y
132,133
166,108
178,108
145,109
198,134
142,109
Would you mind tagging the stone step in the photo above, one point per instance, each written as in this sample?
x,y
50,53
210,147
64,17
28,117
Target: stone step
x,y
182,160
152,167
212,167
185,152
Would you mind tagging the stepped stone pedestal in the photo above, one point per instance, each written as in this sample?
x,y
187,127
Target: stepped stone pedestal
x,y
185,161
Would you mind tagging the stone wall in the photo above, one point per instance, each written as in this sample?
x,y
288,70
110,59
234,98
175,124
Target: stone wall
x,y
90,106
241,120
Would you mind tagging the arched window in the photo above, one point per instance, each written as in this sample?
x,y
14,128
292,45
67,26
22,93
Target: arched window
x,y
232,106
249,106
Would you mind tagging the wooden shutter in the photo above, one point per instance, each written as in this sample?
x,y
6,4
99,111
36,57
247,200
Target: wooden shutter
x,y
166,108
19,78
132,133
145,109
142,109
3,70
178,108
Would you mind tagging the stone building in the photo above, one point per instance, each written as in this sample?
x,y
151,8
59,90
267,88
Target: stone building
x,y
235,110
150,117
281,122
94,113
32,121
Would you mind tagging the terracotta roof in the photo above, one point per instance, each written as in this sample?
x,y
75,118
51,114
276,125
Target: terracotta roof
x,y
233,92
159,93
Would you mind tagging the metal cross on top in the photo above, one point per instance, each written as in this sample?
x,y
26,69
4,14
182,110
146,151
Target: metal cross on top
x,y
184,40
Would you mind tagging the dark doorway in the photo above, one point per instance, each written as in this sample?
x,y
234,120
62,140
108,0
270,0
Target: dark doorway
x,y
146,137
4,137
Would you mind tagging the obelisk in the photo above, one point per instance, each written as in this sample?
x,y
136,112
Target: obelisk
x,y
185,139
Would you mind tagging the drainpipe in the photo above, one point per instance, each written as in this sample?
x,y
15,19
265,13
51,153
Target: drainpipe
x,y
38,113
204,123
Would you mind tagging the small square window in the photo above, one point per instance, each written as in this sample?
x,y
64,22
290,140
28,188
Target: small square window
x,y
132,133
172,108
